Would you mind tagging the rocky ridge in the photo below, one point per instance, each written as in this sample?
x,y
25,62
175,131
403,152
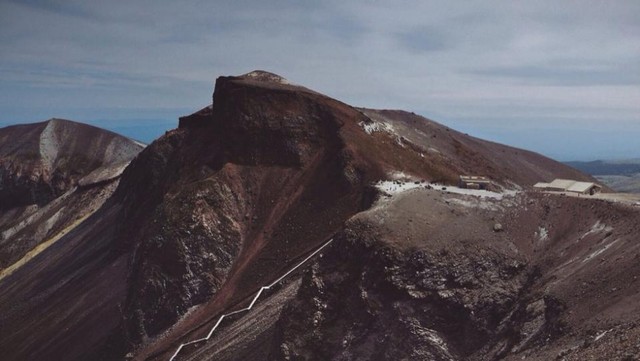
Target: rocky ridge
x,y
52,174
245,187
459,290
41,161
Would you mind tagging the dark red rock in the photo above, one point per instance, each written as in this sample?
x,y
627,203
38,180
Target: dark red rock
x,y
226,203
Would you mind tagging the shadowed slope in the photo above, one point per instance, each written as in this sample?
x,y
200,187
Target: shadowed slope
x,y
54,238
40,161
41,167
214,210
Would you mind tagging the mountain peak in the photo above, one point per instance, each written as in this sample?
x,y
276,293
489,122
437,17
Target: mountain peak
x,y
54,119
264,76
41,161
260,179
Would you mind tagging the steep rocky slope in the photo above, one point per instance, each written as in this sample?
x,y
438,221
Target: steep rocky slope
x,y
464,154
435,281
52,174
242,190
41,161
258,125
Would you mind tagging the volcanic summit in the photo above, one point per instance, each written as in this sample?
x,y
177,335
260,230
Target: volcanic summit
x,y
236,200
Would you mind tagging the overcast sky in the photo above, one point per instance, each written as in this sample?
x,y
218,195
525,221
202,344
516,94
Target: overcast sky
x,y
558,77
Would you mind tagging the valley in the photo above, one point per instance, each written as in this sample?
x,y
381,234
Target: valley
x,y
620,175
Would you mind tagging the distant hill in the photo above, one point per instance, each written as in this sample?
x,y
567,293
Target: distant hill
x,y
52,175
41,161
608,167
622,183
619,175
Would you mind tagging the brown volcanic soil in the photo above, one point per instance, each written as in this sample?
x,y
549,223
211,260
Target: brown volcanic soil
x,y
41,161
51,175
464,154
252,133
56,176
223,205
279,179
434,281
65,302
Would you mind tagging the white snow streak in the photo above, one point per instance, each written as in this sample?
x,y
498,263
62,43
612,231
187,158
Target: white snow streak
x,y
543,234
597,227
599,251
375,126
395,187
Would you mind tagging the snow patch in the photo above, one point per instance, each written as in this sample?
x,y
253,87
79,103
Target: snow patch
x,y
36,216
399,186
395,187
379,126
376,126
600,335
596,228
49,144
543,234
599,251
266,76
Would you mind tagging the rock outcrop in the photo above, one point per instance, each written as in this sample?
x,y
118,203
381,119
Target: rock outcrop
x,y
41,161
42,167
249,185
455,290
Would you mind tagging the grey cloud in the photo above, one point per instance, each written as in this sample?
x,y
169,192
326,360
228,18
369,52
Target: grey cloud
x,y
425,39
490,59
550,75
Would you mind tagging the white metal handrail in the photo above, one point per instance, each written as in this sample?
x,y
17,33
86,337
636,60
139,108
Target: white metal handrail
x,y
251,304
